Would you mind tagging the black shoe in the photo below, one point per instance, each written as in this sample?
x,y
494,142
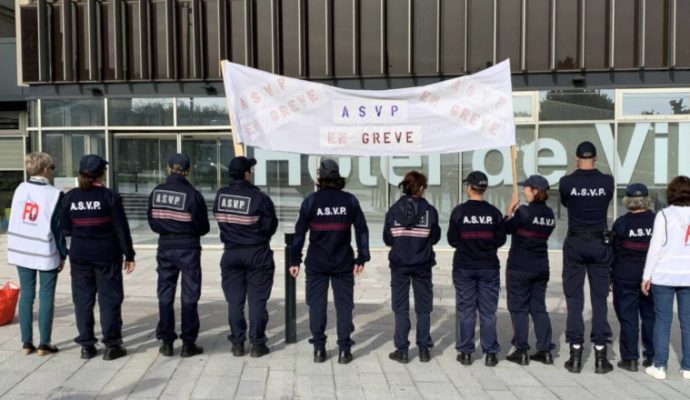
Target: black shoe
x,y
519,357
259,350
628,365
647,362
574,363
46,349
602,364
491,360
190,350
238,349
464,358
344,357
88,352
28,348
400,356
424,355
543,357
166,349
319,355
113,353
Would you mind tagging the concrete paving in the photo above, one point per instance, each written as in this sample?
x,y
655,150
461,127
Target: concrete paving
x,y
288,372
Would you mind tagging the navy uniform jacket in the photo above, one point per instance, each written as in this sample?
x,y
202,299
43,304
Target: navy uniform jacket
x,y
411,229
586,194
632,233
476,231
246,215
531,225
177,212
329,215
96,221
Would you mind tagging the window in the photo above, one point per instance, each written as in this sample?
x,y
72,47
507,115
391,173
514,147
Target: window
x,y
670,103
573,105
72,112
140,112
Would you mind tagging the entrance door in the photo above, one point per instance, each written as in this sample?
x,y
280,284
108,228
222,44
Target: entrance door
x,y
210,155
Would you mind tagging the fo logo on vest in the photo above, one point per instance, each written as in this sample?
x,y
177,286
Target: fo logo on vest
x,y
30,212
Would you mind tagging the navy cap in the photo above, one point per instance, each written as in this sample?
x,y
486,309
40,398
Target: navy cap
x,y
239,165
329,169
536,182
179,159
477,179
586,150
636,190
92,165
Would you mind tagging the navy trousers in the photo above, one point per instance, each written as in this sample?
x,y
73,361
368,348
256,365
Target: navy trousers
x,y
247,278
476,290
104,279
423,304
317,299
632,306
170,264
527,296
591,258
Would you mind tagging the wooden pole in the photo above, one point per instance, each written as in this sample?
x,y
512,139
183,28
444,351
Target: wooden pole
x,y
513,163
237,145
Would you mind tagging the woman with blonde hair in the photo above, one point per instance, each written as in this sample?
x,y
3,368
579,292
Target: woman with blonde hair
x,y
36,246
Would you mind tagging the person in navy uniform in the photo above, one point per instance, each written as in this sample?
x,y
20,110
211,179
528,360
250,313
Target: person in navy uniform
x,y
527,272
247,221
329,215
476,232
632,233
94,217
178,214
411,229
587,250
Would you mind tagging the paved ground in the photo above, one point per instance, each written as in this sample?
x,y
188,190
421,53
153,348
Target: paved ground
x,y
288,372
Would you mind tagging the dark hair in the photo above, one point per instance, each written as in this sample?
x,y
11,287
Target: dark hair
x,y
678,191
413,183
177,170
333,183
86,181
540,196
477,189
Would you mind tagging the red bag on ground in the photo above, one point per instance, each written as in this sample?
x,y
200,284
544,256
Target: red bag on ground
x,y
9,294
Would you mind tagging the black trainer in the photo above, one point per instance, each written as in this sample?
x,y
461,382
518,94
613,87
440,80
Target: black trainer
x,y
491,360
424,355
345,357
238,349
88,352
400,356
647,362
166,349
464,358
574,363
601,362
259,350
319,355
519,357
113,353
628,365
544,357
190,350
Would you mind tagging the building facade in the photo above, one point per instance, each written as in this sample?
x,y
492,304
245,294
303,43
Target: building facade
x,y
138,80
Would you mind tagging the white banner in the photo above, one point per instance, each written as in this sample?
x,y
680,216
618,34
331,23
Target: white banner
x,y
274,112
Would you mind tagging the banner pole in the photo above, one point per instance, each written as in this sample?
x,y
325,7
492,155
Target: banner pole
x,y
238,147
513,163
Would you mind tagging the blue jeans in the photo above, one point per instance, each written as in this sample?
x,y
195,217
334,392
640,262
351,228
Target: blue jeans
x,y
46,298
476,292
663,307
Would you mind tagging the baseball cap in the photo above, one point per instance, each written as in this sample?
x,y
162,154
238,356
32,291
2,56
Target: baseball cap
x,y
329,169
92,165
586,150
239,165
636,190
477,179
536,182
179,159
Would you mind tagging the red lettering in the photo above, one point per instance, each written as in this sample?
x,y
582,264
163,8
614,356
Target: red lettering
x,y
365,138
464,114
376,138
268,89
281,83
473,118
398,136
243,105
386,137
30,211
312,95
256,97
274,116
409,136
293,105
284,110
687,236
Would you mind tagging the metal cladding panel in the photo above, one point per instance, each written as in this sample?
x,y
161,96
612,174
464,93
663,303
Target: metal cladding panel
x,y
143,41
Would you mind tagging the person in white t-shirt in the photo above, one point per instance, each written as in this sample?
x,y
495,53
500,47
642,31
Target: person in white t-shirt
x,y
667,274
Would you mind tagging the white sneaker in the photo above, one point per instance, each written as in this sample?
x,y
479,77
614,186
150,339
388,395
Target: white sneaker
x,y
657,373
685,374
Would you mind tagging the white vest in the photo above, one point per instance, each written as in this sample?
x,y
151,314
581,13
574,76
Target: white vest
x,y
668,260
30,242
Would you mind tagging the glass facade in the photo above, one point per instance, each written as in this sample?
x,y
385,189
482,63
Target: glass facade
x,y
642,136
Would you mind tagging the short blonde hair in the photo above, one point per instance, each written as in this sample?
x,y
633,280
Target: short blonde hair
x,y
637,203
36,163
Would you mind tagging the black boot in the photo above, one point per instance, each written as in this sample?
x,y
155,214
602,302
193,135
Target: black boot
x,y
464,358
628,365
166,349
490,360
519,357
238,349
190,350
259,350
113,353
574,363
344,357
602,364
543,357
319,355
399,356
424,355
88,352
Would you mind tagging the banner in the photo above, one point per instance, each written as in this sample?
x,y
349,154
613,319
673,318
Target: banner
x,y
274,112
